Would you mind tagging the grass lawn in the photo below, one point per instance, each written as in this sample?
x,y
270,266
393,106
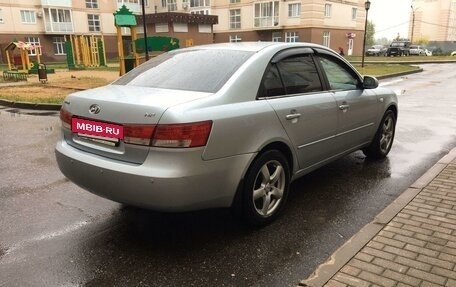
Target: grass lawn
x,y
384,69
54,92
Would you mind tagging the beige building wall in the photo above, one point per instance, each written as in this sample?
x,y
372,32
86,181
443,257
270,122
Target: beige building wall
x,y
310,25
435,20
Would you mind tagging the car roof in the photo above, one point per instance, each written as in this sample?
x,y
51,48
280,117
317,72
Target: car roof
x,y
255,46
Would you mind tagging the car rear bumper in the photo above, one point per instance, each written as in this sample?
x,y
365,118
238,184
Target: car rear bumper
x,y
169,180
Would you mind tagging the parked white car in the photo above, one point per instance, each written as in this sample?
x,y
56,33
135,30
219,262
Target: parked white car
x,y
417,50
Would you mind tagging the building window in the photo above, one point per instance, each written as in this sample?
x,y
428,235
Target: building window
x,y
201,12
94,22
266,14
354,13
326,38
294,10
161,28
92,4
59,45
235,38
172,5
200,3
28,16
291,37
235,19
180,27
276,36
328,8
235,1
163,3
34,41
204,28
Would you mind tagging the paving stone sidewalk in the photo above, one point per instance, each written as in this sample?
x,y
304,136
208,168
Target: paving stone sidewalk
x,y
411,243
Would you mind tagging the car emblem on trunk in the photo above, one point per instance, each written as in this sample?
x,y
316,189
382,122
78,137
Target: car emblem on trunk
x,y
94,109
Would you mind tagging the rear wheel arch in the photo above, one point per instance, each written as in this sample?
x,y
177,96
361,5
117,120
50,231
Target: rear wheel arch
x,y
238,204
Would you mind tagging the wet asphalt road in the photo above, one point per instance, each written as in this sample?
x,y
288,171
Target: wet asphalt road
x,y
53,233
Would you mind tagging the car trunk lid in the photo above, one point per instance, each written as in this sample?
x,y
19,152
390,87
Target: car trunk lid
x,y
115,121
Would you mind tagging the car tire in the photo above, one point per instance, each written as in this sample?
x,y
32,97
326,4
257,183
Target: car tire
x,y
383,139
265,188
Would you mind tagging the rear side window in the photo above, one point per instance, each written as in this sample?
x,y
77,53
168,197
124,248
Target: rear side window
x,y
191,70
292,75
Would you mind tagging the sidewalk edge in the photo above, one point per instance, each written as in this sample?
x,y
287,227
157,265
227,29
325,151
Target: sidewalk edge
x,y
341,256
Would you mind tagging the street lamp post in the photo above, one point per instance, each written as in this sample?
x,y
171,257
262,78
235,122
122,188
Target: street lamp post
x,y
145,30
413,22
367,5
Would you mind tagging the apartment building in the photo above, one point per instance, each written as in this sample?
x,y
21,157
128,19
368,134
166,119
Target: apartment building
x,y
49,23
433,20
332,23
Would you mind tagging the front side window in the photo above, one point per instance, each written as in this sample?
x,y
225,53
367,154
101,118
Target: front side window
x,y
92,4
28,17
293,75
181,70
294,10
339,76
328,8
94,22
235,19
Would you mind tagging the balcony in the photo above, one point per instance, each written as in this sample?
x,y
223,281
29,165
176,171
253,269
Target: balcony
x,y
59,27
266,15
266,22
58,20
57,3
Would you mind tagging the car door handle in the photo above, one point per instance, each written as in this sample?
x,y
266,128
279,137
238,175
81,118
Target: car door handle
x,y
344,107
292,116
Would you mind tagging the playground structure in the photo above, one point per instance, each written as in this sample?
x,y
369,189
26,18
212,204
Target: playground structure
x,y
125,18
85,51
23,61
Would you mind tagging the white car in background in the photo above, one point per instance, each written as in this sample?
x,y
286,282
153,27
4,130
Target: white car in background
x,y
417,50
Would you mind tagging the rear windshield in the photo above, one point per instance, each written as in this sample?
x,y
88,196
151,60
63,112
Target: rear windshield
x,y
191,70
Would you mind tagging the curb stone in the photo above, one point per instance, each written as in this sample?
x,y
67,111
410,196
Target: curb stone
x,y
31,106
349,249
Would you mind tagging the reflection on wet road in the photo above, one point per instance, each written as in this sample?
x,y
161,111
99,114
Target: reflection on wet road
x,y
55,234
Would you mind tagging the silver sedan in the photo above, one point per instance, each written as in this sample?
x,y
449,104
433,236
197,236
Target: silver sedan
x,y
223,125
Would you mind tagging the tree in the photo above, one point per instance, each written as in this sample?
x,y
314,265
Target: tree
x,y
370,33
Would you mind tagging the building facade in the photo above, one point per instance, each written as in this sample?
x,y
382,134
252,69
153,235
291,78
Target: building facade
x,y
49,23
332,23
433,21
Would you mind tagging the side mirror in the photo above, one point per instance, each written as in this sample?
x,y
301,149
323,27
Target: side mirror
x,y
370,82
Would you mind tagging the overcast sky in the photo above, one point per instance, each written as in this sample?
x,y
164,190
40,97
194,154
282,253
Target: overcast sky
x,y
390,17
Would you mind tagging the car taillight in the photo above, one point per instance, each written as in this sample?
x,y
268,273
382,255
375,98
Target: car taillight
x,y
182,135
138,134
65,117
